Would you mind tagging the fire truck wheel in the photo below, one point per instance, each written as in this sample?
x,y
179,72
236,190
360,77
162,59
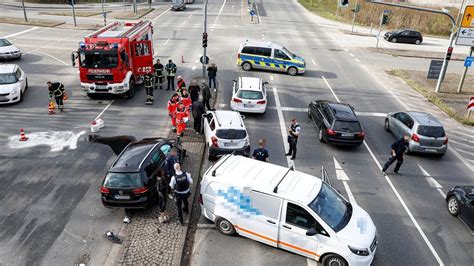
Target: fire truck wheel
x,y
131,90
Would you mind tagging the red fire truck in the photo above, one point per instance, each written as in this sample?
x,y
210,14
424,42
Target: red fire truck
x,y
114,59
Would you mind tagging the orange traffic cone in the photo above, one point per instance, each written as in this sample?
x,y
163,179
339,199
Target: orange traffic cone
x,y
23,137
51,108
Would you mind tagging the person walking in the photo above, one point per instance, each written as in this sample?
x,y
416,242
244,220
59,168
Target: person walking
x,y
206,95
396,154
293,135
212,73
180,183
162,187
172,105
194,90
56,90
260,153
148,80
158,74
180,85
170,73
198,110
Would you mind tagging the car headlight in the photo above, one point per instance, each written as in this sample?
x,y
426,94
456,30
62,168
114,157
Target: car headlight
x,y
247,142
359,252
15,90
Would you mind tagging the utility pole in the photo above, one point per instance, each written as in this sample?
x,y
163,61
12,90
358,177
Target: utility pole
x,y
103,10
204,55
337,9
380,28
124,6
135,11
24,11
461,83
355,12
73,12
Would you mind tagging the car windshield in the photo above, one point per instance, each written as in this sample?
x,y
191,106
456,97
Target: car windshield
x,y
121,180
231,134
250,95
288,52
348,126
98,60
332,208
4,42
431,131
8,78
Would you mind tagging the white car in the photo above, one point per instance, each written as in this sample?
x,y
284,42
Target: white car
x,y
249,95
8,50
13,83
287,209
225,133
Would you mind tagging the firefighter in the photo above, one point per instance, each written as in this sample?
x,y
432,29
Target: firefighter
x,y
186,100
172,105
158,74
170,73
180,119
149,88
56,90
181,84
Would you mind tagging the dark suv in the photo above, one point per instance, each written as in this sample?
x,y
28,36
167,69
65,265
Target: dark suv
x,y
131,181
406,36
337,123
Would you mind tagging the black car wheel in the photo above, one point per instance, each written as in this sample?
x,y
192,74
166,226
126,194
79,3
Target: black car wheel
x,y
246,66
309,113
386,125
334,260
394,40
321,135
417,42
453,206
224,226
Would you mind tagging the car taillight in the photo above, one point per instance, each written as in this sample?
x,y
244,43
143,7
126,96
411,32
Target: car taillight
x,y
140,190
361,135
236,100
200,198
214,141
446,140
415,137
261,102
104,190
330,131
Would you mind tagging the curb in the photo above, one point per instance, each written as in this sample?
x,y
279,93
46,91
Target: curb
x,y
455,57
39,23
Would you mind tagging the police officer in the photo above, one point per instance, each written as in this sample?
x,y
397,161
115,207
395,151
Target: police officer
x,y
293,135
170,73
158,74
398,149
56,90
180,183
149,88
260,153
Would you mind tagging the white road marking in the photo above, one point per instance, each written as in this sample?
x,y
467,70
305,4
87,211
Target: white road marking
x,y
19,33
349,192
282,127
107,107
329,86
222,8
314,62
57,140
166,42
55,58
161,15
462,159
304,110
340,174
346,50
357,60
463,151
433,183
194,68
222,105
351,54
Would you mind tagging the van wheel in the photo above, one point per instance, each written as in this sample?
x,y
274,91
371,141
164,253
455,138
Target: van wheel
x,y
131,90
292,71
386,125
334,260
225,227
246,66
321,135
394,40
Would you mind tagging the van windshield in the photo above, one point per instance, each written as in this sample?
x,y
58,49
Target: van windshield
x,y
332,208
288,52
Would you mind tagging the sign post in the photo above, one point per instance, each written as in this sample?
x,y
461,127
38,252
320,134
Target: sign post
x,y
467,64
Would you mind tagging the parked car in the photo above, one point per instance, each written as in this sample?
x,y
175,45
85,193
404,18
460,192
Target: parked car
x,y
131,180
178,5
404,36
426,132
337,123
8,50
286,209
460,203
13,83
225,133
249,95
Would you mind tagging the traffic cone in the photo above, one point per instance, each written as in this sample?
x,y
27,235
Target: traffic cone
x,y
23,137
51,108
182,59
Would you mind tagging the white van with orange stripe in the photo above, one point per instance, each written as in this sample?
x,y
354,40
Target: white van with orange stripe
x,y
286,209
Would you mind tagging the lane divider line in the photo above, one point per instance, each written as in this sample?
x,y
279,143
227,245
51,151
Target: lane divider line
x,y
329,86
107,107
53,57
157,17
432,182
284,133
21,32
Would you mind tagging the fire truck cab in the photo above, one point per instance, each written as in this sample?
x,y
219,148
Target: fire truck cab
x,y
114,59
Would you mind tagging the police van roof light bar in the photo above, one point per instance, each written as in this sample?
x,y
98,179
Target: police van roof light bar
x,y
291,168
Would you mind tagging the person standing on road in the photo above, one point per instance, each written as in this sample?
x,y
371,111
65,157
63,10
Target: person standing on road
x,y
206,95
170,73
149,88
171,159
158,74
398,149
293,135
198,110
162,187
180,183
194,90
56,90
212,73
180,85
172,105
260,153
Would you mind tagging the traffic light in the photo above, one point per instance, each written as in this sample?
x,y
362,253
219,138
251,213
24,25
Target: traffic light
x,y
204,39
385,19
343,3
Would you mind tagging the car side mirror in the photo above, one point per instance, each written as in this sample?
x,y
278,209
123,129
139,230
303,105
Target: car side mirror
x,y
311,232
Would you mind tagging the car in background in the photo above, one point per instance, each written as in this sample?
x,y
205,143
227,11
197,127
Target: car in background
x,y
426,133
13,83
249,95
460,203
337,123
225,133
131,180
177,5
8,50
404,36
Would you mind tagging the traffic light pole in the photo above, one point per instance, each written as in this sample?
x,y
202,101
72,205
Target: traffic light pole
x,y
355,13
24,11
380,29
204,54
73,12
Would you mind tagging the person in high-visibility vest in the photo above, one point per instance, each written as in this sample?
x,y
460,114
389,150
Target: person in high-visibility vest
x,y
56,90
158,74
181,84
172,105
186,100
170,73
148,80
180,119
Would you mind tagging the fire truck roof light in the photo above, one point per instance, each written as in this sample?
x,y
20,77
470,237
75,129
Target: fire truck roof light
x,y
82,45
115,45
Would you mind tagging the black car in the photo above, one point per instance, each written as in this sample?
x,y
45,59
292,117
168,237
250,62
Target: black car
x,y
460,201
337,123
405,36
131,181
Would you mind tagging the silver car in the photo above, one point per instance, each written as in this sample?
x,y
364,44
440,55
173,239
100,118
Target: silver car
x,y
427,135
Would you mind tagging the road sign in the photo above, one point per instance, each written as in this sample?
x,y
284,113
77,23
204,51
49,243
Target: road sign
x,y
468,61
202,58
435,69
466,31
252,12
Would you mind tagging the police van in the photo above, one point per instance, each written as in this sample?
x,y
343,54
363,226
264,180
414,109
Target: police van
x,y
286,209
269,56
